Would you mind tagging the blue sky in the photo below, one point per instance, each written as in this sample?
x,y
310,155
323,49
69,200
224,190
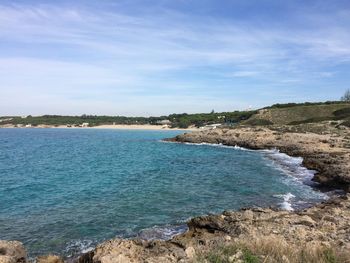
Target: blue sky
x,y
170,56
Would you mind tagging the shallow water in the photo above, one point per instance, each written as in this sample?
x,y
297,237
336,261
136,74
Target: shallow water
x,y
64,190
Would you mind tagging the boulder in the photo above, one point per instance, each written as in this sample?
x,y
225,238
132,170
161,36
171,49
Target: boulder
x,y
12,251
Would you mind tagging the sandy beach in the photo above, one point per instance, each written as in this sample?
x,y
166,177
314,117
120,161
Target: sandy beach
x,y
117,127
141,127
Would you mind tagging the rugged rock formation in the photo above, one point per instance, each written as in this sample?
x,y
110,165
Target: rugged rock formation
x,y
325,225
12,252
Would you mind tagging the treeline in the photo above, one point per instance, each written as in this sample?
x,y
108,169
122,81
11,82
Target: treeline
x,y
200,119
176,120
289,105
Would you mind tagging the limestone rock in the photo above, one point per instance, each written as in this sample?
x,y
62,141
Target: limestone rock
x,y
12,251
49,259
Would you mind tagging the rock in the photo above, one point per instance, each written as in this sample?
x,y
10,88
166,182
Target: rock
x,y
228,238
190,252
115,259
285,259
248,215
7,259
325,223
49,259
236,258
12,251
305,220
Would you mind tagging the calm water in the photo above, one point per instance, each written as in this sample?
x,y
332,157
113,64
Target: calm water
x,y
63,190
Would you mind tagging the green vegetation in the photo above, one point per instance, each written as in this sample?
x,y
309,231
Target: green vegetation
x,y
346,96
77,120
346,123
228,254
277,114
273,249
200,119
289,105
292,114
259,122
177,120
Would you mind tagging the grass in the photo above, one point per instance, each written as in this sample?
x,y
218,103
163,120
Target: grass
x,y
298,114
273,249
228,254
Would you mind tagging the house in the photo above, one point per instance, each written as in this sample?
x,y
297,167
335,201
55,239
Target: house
x,y
85,124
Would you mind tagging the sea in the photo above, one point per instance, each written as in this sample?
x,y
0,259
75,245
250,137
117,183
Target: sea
x,y
63,191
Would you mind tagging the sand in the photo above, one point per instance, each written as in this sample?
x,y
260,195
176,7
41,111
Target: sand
x,y
117,126
140,127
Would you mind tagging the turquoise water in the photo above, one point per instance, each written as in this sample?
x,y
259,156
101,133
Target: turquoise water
x,y
64,190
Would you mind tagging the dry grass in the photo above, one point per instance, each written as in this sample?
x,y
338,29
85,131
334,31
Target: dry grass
x,y
273,249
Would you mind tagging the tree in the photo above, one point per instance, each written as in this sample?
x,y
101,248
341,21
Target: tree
x,y
346,96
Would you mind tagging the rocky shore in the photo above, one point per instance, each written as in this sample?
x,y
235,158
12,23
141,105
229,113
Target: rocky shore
x,y
326,149
317,234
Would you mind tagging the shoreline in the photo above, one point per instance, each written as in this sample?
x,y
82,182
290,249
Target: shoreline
x,y
319,152
107,127
322,153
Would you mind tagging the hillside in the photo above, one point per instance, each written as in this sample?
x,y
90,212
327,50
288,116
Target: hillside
x,y
278,114
300,113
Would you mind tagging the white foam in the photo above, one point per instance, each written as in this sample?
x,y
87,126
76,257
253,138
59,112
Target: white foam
x,y
75,247
290,166
162,232
287,203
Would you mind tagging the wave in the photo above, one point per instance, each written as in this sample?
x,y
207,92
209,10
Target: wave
x,y
287,201
162,232
290,166
76,247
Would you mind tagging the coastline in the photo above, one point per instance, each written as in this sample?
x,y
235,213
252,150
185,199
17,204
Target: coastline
x,y
326,224
116,127
142,127
326,153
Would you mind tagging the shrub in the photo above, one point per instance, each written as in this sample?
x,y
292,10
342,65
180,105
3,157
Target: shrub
x,y
259,122
345,112
346,96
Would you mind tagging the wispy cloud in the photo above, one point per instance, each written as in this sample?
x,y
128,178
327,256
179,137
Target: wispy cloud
x,y
68,52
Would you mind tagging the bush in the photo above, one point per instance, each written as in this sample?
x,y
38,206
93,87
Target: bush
x,y
346,96
346,123
259,122
345,112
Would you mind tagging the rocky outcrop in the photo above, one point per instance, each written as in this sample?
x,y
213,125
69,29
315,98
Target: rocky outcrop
x,y
326,224
327,153
49,259
12,252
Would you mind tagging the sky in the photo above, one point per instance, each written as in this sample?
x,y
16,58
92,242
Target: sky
x,y
157,57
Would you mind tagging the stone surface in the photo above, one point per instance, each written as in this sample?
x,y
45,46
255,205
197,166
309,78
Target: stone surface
x,y
12,251
49,259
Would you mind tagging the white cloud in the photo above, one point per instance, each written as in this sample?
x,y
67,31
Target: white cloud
x,y
100,55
